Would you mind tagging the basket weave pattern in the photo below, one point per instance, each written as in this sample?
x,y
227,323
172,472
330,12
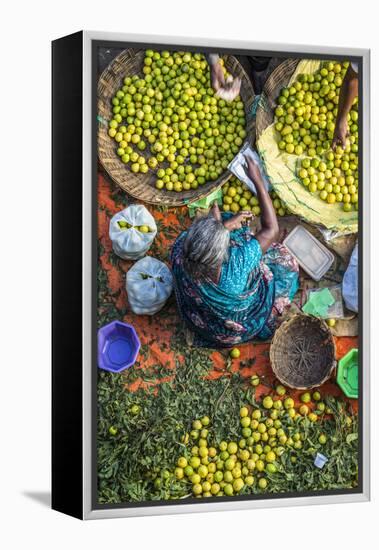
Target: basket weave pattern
x,y
278,79
302,352
142,186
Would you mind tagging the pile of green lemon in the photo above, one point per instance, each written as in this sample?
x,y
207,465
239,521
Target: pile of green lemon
x,y
170,121
334,177
267,432
305,120
237,196
123,225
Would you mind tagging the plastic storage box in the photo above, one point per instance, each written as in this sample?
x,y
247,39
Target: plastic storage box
x,y
312,256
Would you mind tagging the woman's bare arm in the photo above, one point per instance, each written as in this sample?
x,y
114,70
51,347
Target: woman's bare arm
x,y
348,93
269,231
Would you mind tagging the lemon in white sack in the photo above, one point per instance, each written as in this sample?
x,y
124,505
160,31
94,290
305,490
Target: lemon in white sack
x,y
144,229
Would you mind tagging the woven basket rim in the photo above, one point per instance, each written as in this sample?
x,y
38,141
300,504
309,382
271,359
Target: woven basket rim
x,y
281,73
154,196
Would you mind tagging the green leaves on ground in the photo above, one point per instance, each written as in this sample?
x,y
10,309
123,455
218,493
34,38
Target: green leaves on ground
x,y
136,464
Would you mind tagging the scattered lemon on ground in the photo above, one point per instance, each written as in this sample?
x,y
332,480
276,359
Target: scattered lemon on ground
x,y
235,353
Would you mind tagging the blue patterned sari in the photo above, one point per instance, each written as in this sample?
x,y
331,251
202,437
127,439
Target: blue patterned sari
x,y
252,290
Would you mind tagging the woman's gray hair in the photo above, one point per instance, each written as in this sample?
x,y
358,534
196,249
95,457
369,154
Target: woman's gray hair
x,y
205,248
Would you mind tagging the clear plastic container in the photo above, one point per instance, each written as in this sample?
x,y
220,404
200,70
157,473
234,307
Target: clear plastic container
x,y
312,256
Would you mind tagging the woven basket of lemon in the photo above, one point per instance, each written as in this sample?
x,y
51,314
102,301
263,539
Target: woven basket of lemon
x,y
163,135
295,127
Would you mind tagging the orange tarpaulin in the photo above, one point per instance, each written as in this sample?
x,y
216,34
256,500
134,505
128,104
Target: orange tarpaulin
x,y
156,332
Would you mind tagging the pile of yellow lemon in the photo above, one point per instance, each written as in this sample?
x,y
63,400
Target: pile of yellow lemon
x,y
123,225
231,467
170,121
332,177
305,121
236,196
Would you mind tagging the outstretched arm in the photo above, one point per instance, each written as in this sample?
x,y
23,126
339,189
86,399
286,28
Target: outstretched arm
x,y
217,74
269,231
348,93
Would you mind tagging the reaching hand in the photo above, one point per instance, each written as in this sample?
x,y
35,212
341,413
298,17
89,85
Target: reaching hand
x,y
253,171
230,90
217,76
225,89
238,220
341,133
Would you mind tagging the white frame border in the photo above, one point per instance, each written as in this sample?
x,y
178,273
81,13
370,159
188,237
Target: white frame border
x,y
88,511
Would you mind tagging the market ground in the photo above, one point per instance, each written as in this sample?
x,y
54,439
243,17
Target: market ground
x,y
158,332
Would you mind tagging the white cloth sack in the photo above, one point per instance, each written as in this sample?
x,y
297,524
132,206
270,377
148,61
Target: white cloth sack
x,y
350,282
130,243
148,284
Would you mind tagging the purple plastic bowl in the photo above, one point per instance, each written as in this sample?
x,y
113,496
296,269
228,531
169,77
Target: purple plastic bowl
x,y
117,346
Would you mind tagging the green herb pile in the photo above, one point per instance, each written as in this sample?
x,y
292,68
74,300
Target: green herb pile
x,y
142,434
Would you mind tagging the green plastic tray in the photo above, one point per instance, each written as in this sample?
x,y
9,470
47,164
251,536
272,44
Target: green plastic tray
x,y
347,374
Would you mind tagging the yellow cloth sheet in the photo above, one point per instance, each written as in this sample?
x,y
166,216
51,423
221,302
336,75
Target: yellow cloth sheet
x,y
281,169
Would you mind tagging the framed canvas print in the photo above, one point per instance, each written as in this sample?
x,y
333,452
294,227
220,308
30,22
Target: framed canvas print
x,y
210,275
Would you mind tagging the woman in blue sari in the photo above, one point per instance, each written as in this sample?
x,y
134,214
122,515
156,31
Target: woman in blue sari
x,y
231,285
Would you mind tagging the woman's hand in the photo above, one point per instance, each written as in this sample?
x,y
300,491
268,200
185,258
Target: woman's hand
x,y
225,89
230,90
238,220
341,133
348,93
253,171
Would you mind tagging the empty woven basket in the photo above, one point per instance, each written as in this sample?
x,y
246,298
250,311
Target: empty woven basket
x,y
142,186
302,352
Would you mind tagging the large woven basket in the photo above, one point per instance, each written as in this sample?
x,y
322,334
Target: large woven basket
x,y
302,352
278,79
142,186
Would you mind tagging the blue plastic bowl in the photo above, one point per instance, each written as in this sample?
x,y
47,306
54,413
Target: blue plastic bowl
x,y
117,346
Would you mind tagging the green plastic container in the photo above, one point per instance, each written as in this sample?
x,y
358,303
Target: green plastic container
x,y
347,374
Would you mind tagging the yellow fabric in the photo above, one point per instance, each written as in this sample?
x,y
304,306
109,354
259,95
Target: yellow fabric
x,y
281,169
